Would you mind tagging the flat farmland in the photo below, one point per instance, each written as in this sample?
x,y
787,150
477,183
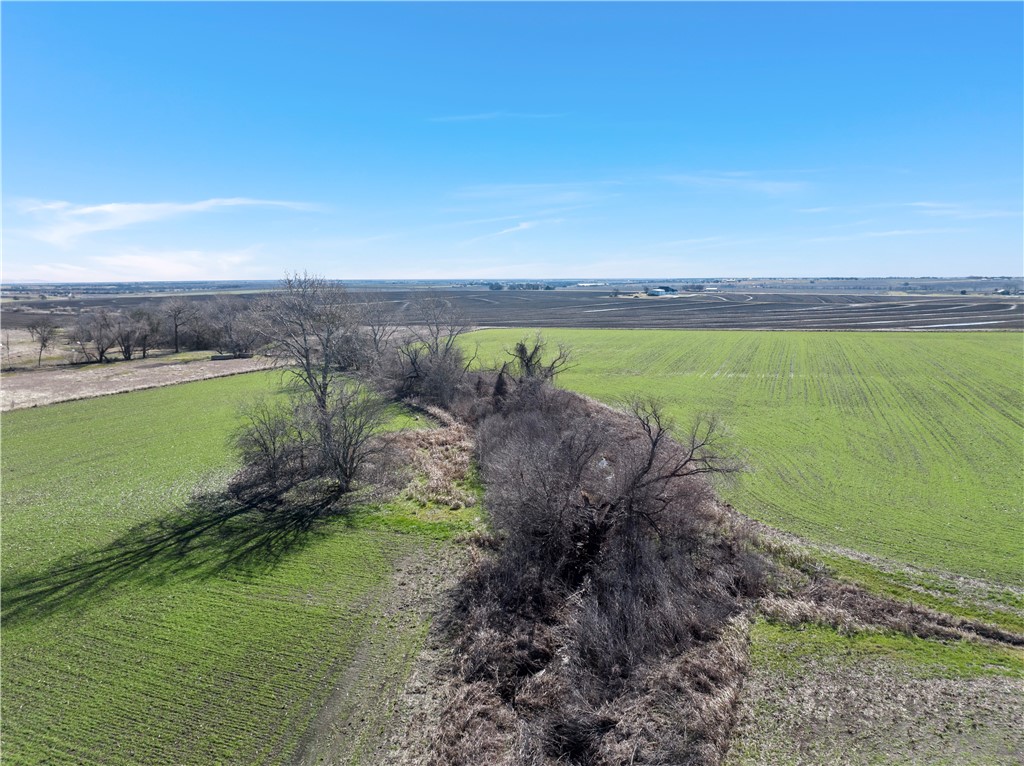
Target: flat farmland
x,y
144,623
726,310
907,446
738,311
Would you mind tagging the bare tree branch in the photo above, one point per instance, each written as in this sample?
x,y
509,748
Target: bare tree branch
x,y
44,332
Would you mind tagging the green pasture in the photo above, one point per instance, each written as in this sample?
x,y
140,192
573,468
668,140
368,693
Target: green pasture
x,y
909,446
143,623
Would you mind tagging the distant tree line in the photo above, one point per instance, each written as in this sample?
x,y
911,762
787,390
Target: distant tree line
x,y
179,324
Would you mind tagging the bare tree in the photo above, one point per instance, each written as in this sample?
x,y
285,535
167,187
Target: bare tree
x,y
379,316
528,358
94,334
310,323
437,324
701,450
44,332
125,335
179,312
561,483
284,445
330,430
272,444
432,362
147,329
348,431
231,326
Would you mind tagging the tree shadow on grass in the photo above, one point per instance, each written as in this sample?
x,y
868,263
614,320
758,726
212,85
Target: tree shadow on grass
x,y
213,534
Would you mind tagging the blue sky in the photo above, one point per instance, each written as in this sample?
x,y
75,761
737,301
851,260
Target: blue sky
x,y
494,140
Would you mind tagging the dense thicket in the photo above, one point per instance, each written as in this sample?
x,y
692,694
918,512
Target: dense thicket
x,y
611,561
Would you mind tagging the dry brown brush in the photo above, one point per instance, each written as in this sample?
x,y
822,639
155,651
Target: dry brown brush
x,y
608,626
606,618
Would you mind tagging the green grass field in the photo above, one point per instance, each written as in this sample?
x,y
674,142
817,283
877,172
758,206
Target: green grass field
x,y
903,445
142,627
137,632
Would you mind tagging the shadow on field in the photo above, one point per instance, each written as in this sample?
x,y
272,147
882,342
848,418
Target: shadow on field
x,y
213,534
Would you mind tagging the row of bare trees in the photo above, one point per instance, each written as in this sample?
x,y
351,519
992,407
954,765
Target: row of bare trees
x,y
96,334
224,324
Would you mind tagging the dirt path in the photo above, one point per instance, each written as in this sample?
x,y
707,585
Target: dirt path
x,y
374,698
34,388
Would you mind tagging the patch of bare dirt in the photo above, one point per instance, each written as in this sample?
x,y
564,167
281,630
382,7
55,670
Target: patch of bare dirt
x,y
873,712
34,388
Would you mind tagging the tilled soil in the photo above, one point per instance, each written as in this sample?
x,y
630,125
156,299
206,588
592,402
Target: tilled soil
x,y
34,388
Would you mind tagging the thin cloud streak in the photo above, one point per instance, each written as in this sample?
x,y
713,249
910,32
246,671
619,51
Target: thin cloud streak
x,y
910,232
545,195
693,242
523,226
886,234
960,211
500,218
504,232
743,181
956,210
64,222
485,116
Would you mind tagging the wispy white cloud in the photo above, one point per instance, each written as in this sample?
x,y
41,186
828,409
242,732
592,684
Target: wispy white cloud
x,y
961,211
60,222
909,232
743,181
955,210
539,213
177,265
501,115
521,226
530,195
158,265
694,242
886,234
